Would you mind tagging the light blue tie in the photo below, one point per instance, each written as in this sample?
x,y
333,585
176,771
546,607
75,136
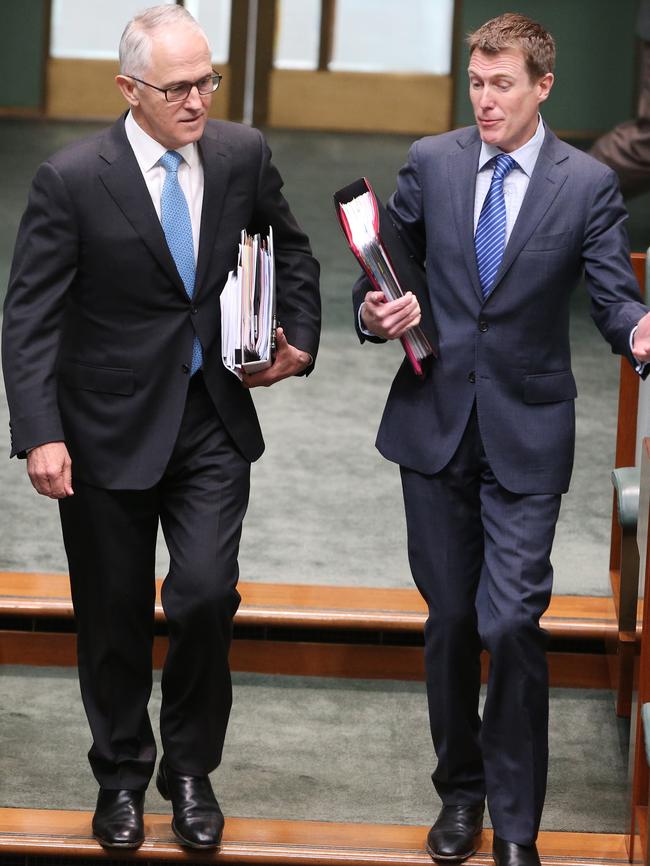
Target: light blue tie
x,y
490,237
176,223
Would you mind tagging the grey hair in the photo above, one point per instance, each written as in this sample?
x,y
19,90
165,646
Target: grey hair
x,y
135,44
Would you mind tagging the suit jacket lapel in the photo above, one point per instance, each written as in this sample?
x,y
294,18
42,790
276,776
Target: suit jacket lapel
x,y
545,183
123,179
461,167
216,174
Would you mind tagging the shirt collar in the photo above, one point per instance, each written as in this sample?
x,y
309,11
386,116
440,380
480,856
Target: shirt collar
x,y
148,151
525,156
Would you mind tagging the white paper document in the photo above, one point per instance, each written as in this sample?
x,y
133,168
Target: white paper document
x,y
248,307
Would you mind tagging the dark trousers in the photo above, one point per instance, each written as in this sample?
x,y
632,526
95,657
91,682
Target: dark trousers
x,y
480,556
110,539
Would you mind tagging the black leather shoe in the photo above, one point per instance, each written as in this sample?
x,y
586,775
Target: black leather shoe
x,y
198,820
511,854
456,832
118,821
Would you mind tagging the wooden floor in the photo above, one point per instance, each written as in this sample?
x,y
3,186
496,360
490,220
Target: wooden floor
x,y
26,832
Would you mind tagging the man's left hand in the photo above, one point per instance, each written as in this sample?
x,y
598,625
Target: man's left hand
x,y
288,361
641,343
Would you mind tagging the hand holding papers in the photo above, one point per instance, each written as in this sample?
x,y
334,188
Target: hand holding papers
x,y
248,307
377,244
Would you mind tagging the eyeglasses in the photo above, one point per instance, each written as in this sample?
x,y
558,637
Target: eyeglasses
x,y
180,92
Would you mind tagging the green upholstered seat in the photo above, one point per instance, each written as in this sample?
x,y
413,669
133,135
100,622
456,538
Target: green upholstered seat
x,y
626,481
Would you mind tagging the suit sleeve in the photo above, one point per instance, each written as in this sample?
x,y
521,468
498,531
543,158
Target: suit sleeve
x,y
405,206
616,306
297,271
43,267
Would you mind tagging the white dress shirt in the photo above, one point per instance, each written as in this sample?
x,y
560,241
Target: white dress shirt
x,y
515,182
190,172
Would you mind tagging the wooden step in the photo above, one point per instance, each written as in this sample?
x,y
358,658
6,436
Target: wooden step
x,y
287,605
52,833
580,670
377,631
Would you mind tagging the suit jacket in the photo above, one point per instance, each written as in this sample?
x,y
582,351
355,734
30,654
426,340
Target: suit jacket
x,y
97,326
510,353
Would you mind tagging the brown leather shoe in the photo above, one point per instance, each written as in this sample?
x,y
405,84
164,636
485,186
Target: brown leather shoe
x,y
198,821
456,832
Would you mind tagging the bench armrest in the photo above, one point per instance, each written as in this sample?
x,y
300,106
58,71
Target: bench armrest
x,y
626,480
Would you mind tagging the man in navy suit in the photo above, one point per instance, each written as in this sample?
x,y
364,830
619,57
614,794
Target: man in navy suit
x,y
127,415
507,219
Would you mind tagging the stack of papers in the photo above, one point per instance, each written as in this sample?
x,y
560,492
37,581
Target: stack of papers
x,y
248,307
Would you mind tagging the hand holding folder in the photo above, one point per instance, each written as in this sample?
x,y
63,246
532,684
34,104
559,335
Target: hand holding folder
x,y
375,240
248,307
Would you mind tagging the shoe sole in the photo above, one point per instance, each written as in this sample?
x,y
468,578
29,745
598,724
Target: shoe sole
x,y
106,844
197,845
450,858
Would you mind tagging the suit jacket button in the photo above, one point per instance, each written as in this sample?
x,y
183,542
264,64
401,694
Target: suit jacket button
x,y
471,377
483,326
185,368
194,310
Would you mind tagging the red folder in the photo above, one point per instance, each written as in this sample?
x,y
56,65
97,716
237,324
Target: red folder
x,y
401,267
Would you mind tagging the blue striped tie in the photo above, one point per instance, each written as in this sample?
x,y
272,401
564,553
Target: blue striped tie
x,y
177,226
490,237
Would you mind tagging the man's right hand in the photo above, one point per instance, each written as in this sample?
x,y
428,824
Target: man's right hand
x,y
389,319
50,470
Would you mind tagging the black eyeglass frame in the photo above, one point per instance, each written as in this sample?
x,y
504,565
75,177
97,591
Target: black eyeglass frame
x,y
216,78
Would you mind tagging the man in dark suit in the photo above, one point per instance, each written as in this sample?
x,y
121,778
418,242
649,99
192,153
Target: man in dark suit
x,y
507,219
121,402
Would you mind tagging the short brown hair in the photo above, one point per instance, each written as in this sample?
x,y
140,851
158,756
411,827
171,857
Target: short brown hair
x,y
512,30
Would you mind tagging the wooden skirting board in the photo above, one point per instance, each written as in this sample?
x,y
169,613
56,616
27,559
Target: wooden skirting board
x,y
296,658
52,833
284,605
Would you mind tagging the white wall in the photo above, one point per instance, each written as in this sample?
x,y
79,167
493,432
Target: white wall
x,y
297,34
369,35
80,29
